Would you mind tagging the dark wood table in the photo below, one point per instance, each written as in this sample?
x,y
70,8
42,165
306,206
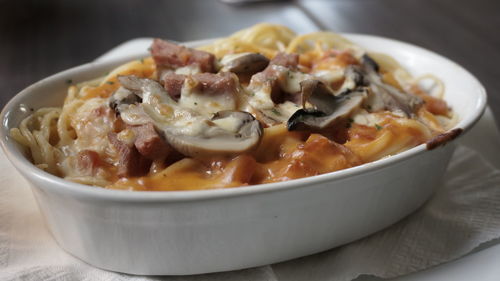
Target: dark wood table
x,y
42,37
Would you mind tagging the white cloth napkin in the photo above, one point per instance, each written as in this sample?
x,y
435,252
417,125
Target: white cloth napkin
x,y
464,213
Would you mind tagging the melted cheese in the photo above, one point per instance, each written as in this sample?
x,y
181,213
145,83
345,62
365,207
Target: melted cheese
x,y
363,117
133,114
230,123
290,82
329,76
86,120
206,104
228,58
261,98
188,69
92,123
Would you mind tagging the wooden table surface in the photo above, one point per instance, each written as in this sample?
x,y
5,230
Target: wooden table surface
x,y
41,37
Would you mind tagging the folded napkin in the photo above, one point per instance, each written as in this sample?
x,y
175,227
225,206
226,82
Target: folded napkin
x,y
464,213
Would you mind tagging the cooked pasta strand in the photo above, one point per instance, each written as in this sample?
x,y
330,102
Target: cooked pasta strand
x,y
79,141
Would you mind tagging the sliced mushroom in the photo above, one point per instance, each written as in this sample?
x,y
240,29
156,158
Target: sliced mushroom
x,y
354,78
318,94
156,106
274,90
244,63
192,134
329,109
369,62
385,96
150,90
123,96
313,120
127,100
227,133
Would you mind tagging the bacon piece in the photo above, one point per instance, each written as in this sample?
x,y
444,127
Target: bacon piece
x,y
131,163
149,143
171,56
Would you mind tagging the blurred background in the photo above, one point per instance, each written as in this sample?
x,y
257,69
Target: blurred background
x,y
41,37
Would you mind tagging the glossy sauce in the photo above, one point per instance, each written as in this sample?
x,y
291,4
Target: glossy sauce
x,y
288,157
284,155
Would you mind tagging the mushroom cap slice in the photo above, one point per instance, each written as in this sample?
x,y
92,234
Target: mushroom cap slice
x,y
149,90
190,133
314,120
385,96
328,107
227,133
122,96
354,78
244,63
368,61
319,95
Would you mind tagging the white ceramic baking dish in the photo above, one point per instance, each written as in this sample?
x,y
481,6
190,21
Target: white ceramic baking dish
x,y
190,232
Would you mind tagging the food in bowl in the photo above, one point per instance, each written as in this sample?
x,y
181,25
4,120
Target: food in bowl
x,y
200,231
263,105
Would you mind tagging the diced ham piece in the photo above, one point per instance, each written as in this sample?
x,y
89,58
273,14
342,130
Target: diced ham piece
x,y
206,83
131,163
171,56
216,83
88,161
149,143
173,84
290,61
272,76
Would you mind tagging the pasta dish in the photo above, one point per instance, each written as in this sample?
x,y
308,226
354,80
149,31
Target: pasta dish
x,y
262,105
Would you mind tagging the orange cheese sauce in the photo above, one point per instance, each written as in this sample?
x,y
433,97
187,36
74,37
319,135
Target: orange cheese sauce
x,y
388,137
283,155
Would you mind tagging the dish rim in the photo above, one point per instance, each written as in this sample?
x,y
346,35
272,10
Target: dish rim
x,y
63,186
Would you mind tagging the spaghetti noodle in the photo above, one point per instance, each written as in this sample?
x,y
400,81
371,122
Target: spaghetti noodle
x,y
262,105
